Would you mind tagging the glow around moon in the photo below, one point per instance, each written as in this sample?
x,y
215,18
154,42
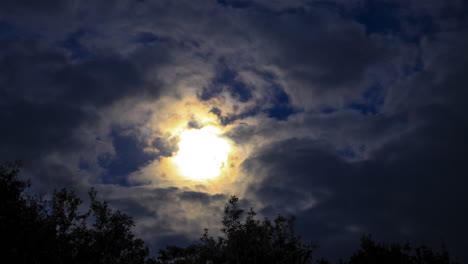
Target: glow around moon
x,y
202,154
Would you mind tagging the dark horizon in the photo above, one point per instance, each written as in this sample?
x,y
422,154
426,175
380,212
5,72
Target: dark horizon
x,y
346,114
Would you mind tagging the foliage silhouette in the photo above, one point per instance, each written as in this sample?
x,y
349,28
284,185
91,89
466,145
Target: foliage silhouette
x,y
56,231
372,252
34,230
248,241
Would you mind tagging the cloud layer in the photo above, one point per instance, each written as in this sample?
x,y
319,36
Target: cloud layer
x,y
347,114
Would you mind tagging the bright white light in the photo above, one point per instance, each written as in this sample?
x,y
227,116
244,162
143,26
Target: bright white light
x,y
202,153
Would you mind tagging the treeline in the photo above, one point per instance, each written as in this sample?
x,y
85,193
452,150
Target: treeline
x,y
60,230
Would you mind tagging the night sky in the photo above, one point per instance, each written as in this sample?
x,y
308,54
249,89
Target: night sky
x,y
349,114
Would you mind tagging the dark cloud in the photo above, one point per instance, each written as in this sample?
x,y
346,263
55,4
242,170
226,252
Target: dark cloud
x,y
412,188
148,38
321,54
235,3
194,124
227,80
165,215
129,157
166,147
45,96
202,197
19,7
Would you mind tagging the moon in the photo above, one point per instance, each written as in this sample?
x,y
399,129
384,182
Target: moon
x,y
202,153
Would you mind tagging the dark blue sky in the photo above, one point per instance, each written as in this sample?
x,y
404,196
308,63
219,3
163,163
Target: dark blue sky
x,y
349,114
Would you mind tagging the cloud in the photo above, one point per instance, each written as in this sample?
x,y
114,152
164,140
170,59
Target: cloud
x,y
318,67
33,76
349,114
410,188
167,216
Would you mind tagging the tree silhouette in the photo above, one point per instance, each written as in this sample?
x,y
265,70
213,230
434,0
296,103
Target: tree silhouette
x,y
248,241
25,234
60,230
254,241
57,231
372,252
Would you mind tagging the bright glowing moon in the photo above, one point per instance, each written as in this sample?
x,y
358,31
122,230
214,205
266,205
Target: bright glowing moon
x,y
202,153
